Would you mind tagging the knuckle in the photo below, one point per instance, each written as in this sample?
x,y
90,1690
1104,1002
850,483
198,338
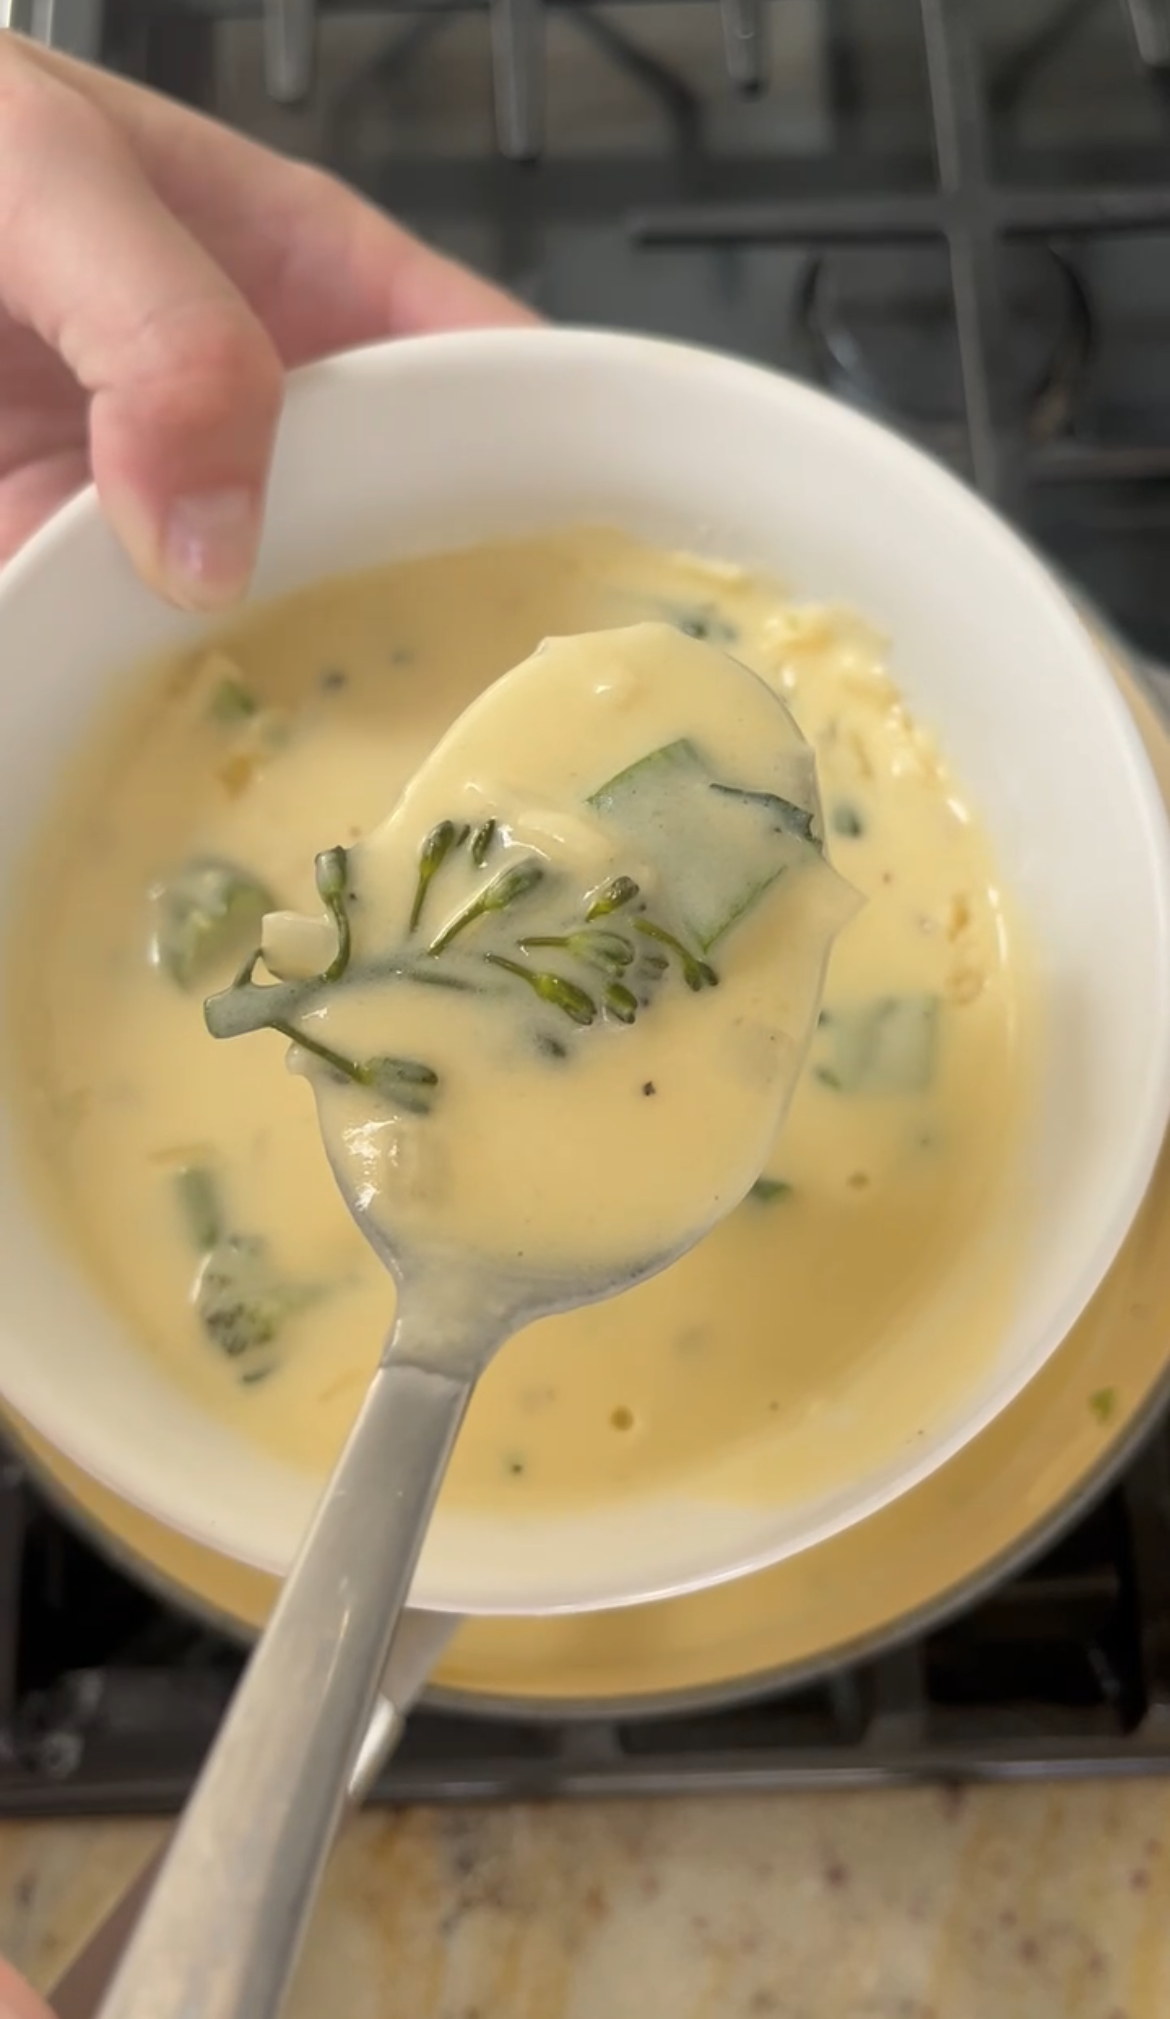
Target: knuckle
x,y
214,359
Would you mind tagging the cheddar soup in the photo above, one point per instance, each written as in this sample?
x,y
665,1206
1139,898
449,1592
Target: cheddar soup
x,y
204,807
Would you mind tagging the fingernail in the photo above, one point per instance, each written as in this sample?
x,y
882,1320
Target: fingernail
x,y
210,548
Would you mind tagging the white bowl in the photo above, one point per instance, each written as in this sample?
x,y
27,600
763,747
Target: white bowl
x,y
440,442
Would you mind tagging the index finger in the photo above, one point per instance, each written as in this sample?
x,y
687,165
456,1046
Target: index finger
x,y
322,268
185,384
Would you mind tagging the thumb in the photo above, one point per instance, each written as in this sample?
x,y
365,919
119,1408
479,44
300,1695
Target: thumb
x,y
185,383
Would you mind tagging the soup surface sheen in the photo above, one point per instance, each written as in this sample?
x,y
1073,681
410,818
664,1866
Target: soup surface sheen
x,y
299,732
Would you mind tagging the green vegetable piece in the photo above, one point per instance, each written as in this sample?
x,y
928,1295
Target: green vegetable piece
x,y
846,821
669,765
609,952
239,1300
332,873
697,974
200,1205
886,1046
232,702
409,1072
248,1005
432,855
620,892
1103,1403
206,915
718,847
551,988
789,818
620,1002
406,1083
769,1190
704,620
481,842
429,977
237,1303
506,889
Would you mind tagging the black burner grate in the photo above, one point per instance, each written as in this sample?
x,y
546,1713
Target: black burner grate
x,y
109,1700
956,217
975,216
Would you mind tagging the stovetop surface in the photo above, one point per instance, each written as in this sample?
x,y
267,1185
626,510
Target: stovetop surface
x,y
957,216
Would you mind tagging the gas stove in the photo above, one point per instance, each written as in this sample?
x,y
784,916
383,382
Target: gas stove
x,y
954,215
109,1698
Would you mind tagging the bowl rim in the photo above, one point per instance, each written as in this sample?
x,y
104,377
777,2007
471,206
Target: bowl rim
x,y
493,350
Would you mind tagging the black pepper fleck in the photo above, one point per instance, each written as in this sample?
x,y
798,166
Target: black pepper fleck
x,y
648,1088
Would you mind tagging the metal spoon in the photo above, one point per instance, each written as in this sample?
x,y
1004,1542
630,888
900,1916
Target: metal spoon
x,y
221,1932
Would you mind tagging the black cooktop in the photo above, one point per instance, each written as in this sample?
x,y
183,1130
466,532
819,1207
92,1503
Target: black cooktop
x,y
956,215
953,212
109,1699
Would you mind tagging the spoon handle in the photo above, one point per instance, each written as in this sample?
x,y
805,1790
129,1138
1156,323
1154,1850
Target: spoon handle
x,y
220,1935
418,1643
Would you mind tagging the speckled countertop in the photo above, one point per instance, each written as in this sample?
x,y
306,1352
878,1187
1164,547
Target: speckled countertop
x,y
998,1903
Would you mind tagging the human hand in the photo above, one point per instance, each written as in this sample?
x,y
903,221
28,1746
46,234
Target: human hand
x,y
158,274
18,2000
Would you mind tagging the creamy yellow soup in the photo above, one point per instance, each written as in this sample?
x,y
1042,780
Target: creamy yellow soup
x,y
557,1002
298,732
